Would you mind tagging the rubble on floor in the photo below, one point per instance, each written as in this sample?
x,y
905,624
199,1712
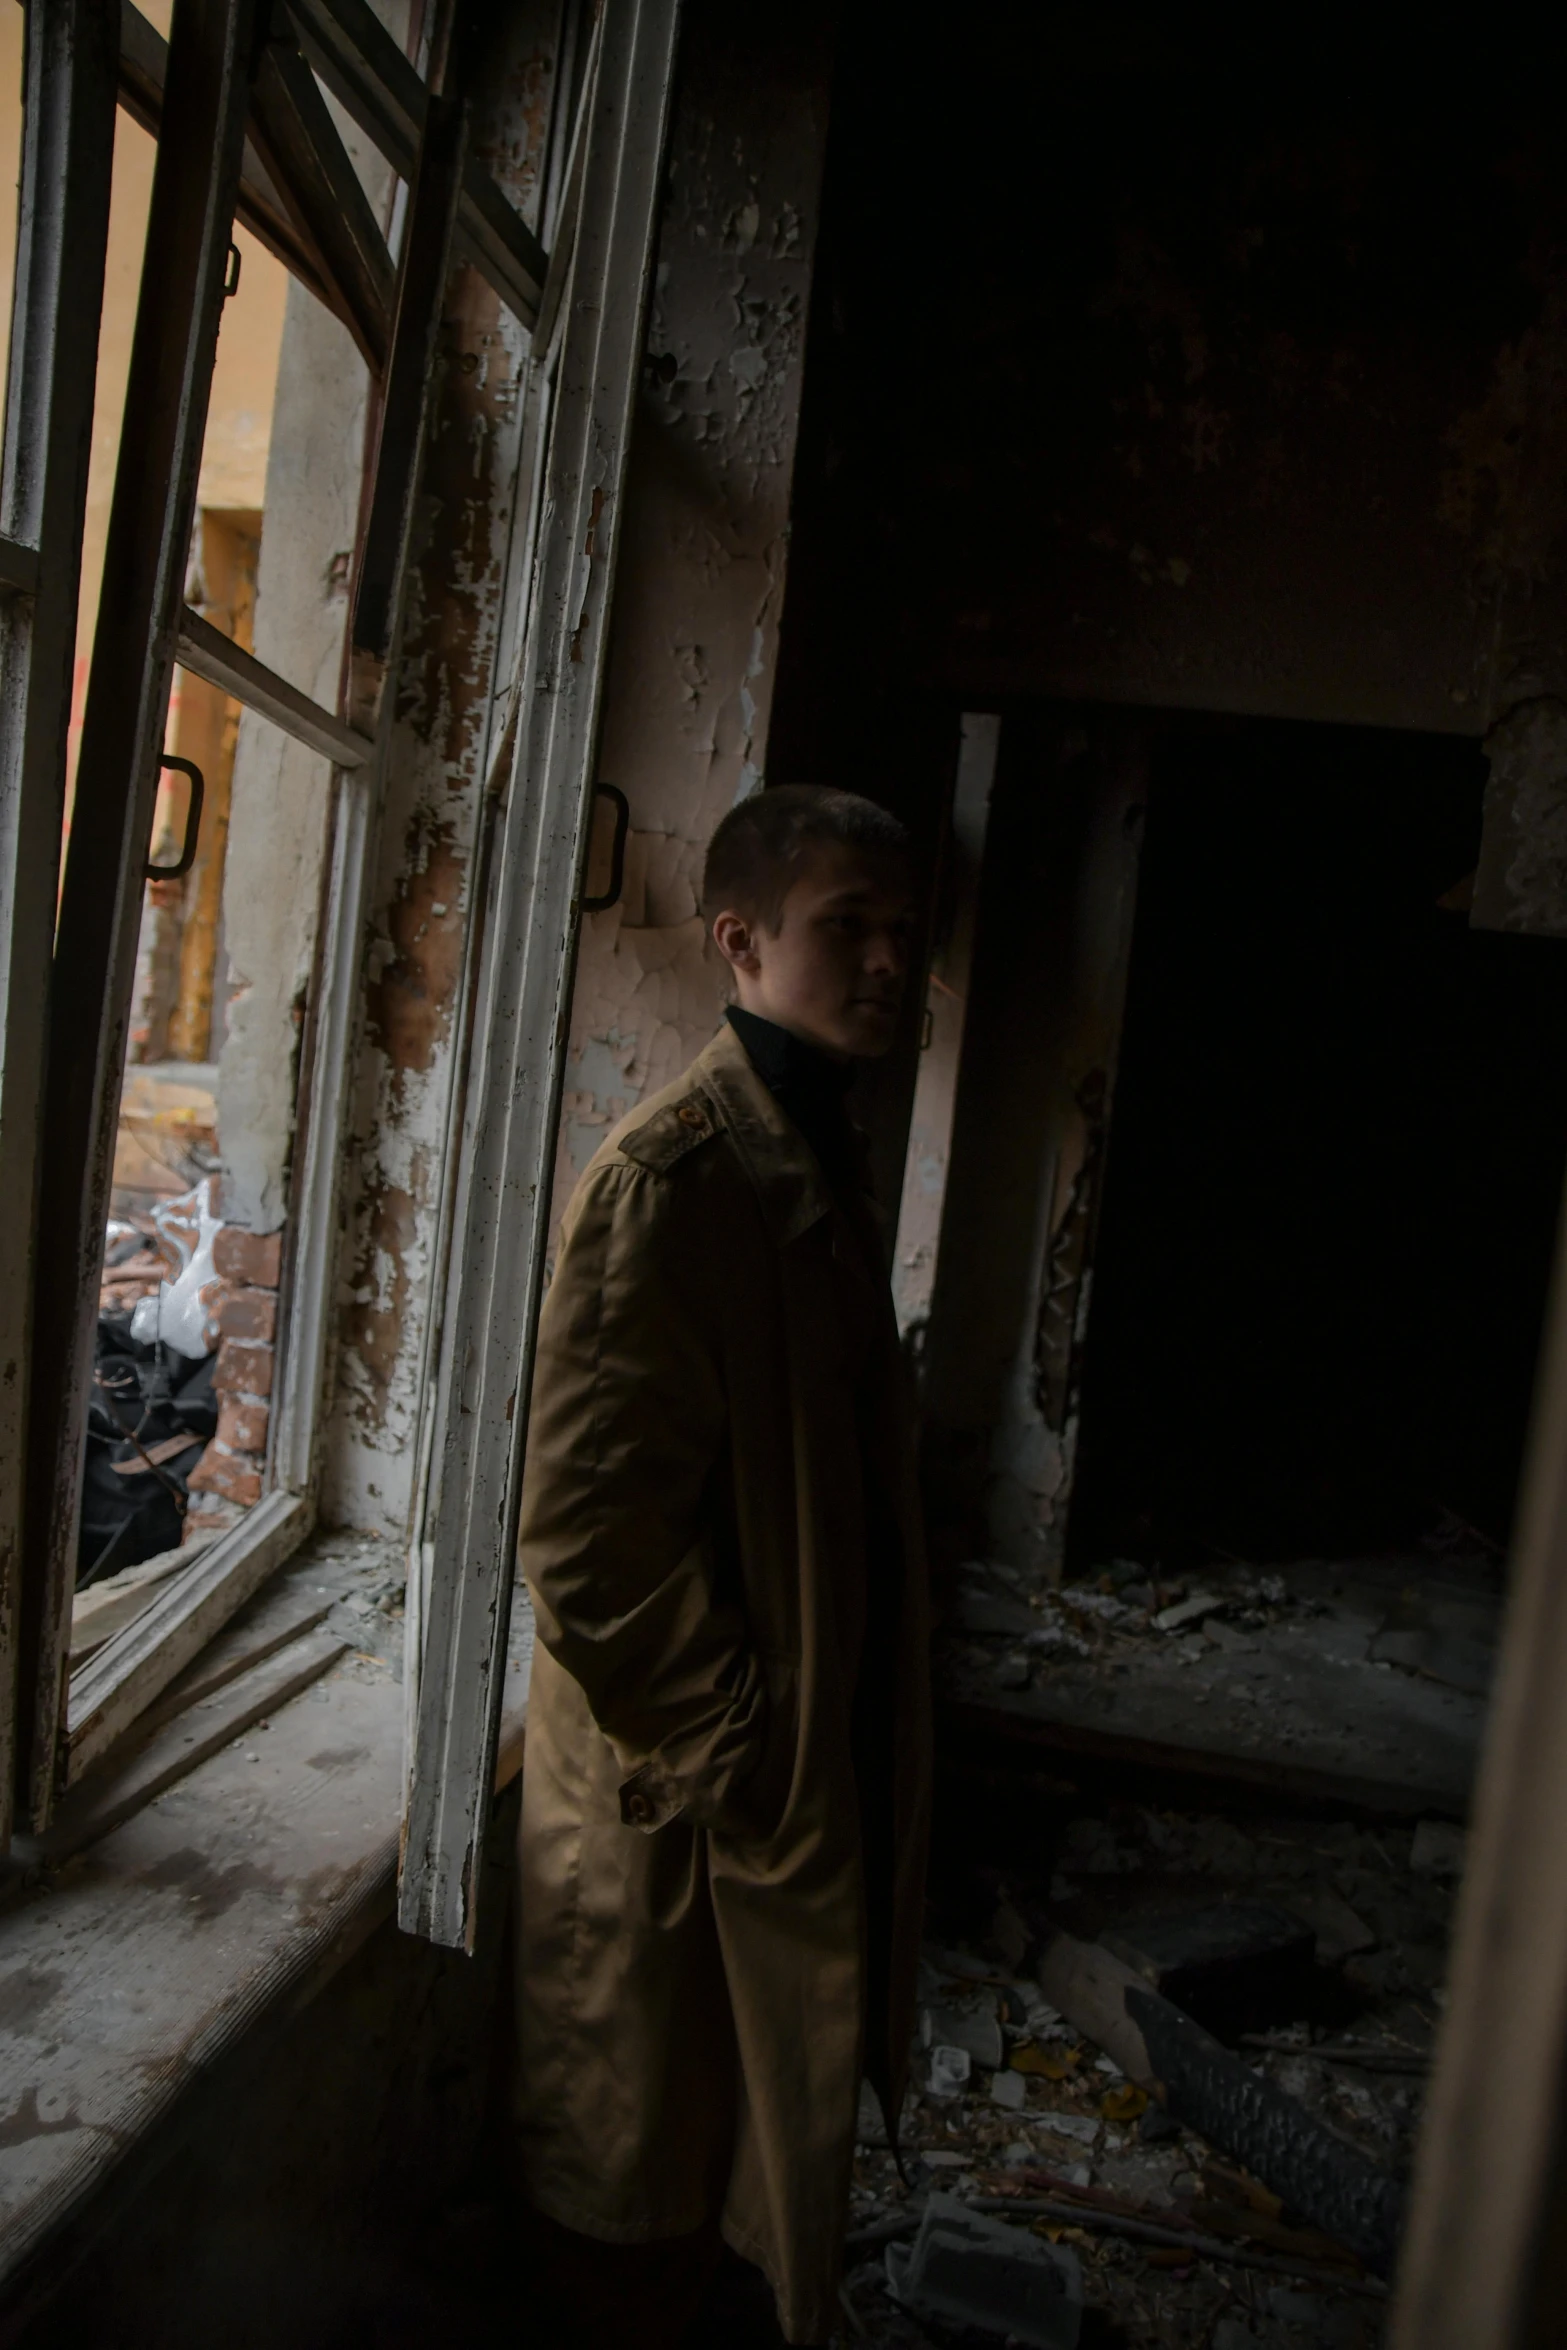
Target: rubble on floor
x,y
1314,1947
1371,1671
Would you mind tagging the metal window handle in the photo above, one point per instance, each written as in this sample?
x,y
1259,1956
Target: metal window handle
x,y
617,854
187,856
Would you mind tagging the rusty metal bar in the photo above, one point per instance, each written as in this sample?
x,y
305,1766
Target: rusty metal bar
x,y
324,195
373,81
421,288
188,234
62,237
501,1208
144,66
18,568
367,73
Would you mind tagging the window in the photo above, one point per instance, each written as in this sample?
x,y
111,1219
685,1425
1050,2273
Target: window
x,y
177,1051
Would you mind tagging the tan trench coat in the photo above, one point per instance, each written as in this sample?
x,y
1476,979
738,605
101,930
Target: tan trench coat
x,y
718,1463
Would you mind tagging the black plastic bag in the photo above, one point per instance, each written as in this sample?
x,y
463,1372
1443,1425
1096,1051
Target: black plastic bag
x,y
144,1398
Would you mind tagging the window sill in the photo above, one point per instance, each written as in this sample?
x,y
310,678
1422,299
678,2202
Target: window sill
x,y
234,1895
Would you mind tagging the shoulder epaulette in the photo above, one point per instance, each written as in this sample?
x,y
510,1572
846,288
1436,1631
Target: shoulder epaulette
x,y
670,1134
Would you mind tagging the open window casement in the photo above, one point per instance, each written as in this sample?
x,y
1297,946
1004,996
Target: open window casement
x,y
238,101
462,1572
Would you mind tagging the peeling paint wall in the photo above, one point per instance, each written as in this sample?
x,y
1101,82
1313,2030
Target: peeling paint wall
x,y
694,635
949,982
1521,880
1004,1347
454,656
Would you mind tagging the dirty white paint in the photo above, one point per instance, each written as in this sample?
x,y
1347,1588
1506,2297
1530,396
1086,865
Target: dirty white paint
x,y
946,1010
449,687
1004,1347
700,582
273,870
1521,880
277,826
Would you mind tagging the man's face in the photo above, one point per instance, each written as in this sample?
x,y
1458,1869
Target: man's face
x,y
834,973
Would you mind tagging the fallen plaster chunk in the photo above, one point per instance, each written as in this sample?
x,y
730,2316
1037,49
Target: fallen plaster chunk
x,y
965,2270
1083,2127
977,2031
1437,1849
949,2072
1340,1933
1188,1611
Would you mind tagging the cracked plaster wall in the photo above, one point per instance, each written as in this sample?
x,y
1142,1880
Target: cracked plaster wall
x,y
1009,1316
694,635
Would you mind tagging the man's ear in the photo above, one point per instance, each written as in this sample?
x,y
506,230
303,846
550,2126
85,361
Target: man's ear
x,y
735,939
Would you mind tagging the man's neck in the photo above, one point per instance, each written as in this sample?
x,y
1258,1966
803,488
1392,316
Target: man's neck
x,y
779,1051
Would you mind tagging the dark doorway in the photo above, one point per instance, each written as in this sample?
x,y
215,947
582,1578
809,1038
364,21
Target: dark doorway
x,y
1335,1166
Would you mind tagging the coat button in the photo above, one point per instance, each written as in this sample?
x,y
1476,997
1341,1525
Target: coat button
x,y
638,1809
690,1115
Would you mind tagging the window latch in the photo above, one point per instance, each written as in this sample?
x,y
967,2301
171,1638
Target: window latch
x,y
617,855
187,856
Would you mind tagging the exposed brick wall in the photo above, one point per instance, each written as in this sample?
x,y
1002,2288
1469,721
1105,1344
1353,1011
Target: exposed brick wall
x,y
232,1472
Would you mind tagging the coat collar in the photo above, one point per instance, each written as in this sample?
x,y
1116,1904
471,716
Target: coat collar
x,y
780,1162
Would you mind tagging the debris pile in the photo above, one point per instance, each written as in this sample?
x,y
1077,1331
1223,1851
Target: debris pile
x,y
1006,1627
154,1406
1306,1956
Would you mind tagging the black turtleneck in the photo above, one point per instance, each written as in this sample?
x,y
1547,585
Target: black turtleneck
x,y
809,1086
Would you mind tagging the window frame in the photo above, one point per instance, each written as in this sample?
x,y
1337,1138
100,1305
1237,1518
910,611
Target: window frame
x,y
462,1565
258,99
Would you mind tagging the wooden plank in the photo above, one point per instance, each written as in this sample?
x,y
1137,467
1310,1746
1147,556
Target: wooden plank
x,y
62,234
199,1728
1480,2267
513,1091
206,652
125,1675
260,1633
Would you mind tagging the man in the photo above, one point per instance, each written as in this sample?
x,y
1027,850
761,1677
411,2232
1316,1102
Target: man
x,y
727,1784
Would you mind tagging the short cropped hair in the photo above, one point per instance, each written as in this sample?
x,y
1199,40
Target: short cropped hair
x,y
756,853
